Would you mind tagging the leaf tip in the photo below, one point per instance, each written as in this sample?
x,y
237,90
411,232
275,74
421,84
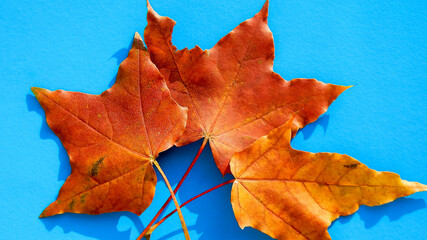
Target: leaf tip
x,y
137,36
347,87
45,213
149,6
137,42
151,11
419,187
340,89
415,186
264,10
37,90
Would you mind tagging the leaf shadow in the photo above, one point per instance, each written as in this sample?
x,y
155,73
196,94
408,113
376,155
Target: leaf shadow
x,y
308,130
393,210
112,81
102,227
120,55
175,161
46,133
177,232
214,209
342,220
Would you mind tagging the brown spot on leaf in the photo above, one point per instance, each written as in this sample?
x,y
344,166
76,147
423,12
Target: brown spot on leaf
x,y
71,204
83,197
353,165
96,166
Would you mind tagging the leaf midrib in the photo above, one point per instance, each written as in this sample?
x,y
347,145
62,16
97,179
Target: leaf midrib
x,y
306,181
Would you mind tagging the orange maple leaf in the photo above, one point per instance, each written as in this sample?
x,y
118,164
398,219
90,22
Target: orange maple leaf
x,y
232,93
291,194
112,139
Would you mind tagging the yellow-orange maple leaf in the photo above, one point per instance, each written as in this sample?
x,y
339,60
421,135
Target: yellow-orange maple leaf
x,y
290,194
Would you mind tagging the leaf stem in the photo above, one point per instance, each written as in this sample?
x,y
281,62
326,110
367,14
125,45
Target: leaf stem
x,y
185,203
178,209
176,189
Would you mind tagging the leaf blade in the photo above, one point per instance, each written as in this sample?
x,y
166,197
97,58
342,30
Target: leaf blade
x,y
291,194
232,93
112,138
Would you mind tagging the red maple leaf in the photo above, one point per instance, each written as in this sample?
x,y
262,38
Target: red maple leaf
x,y
231,91
112,139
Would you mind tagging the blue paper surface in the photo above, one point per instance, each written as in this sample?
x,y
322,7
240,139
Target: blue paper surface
x,y
378,46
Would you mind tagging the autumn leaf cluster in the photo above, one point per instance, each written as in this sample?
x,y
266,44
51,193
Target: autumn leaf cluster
x,y
230,96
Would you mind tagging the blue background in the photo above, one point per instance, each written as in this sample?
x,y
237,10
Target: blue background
x,y
378,46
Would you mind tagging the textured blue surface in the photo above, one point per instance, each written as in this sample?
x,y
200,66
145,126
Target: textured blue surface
x,y
378,46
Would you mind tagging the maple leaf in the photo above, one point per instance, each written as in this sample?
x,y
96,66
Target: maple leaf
x,y
232,93
291,194
112,139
